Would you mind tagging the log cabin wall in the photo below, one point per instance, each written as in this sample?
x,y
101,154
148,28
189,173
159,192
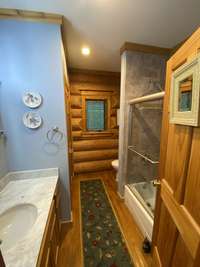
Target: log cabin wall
x,y
93,151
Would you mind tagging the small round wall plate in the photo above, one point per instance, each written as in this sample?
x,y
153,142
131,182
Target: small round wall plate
x,y
32,120
32,100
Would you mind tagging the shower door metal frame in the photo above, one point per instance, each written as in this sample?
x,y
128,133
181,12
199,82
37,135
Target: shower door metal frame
x,y
131,103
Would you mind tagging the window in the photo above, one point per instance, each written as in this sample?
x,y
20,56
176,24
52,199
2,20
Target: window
x,y
95,115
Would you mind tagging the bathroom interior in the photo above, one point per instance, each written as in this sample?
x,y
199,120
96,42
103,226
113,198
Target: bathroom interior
x,y
99,134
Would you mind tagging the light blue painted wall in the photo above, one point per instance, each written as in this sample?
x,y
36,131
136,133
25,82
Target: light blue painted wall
x,y
30,59
3,161
3,158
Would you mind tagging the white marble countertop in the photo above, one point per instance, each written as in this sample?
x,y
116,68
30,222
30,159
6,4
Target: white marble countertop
x,y
37,191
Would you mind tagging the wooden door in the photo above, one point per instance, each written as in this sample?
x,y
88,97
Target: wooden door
x,y
176,237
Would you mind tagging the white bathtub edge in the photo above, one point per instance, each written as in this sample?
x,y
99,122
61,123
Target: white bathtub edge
x,y
141,216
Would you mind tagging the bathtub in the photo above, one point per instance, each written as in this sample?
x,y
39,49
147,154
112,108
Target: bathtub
x,y
140,200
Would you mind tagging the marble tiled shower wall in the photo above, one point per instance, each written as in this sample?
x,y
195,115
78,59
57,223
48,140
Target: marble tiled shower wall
x,y
145,75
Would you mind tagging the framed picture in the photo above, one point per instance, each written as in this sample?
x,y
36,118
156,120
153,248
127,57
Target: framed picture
x,y
185,92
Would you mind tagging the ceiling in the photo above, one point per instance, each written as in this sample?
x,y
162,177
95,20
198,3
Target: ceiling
x,y
104,25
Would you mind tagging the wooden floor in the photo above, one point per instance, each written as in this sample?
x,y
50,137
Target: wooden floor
x,y
70,252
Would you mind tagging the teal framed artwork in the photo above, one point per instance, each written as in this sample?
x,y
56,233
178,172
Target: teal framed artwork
x,y
185,93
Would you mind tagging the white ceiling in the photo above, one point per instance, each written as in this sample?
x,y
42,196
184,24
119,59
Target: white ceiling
x,y
105,25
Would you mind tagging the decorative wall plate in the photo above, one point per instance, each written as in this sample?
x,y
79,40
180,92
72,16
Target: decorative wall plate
x,y
32,120
32,100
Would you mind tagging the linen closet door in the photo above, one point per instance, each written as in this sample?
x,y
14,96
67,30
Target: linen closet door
x,y
176,237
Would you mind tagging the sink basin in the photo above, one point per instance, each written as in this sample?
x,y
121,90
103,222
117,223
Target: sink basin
x,y
15,224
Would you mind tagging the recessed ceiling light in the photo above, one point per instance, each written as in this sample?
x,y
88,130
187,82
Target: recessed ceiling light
x,y
85,51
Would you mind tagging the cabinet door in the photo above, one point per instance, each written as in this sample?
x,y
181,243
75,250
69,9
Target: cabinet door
x,y
177,219
48,262
58,211
2,264
54,240
51,241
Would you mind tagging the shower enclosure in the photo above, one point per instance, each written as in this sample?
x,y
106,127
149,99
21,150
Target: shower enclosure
x,y
145,115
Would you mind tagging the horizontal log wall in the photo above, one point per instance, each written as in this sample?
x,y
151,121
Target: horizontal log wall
x,y
81,156
93,151
93,144
92,166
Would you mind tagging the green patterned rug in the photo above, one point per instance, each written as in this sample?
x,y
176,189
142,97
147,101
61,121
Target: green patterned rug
x,y
103,244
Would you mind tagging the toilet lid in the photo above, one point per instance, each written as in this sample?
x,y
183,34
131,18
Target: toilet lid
x,y
115,163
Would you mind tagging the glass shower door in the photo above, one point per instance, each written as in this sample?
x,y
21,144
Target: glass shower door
x,y
143,152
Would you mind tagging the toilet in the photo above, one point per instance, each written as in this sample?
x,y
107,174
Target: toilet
x,y
115,165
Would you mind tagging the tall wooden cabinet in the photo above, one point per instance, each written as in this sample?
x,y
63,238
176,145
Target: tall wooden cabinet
x,y
176,238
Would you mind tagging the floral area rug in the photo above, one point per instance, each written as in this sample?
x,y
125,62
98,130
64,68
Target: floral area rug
x,y
103,244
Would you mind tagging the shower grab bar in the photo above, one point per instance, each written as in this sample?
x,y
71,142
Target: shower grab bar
x,y
143,156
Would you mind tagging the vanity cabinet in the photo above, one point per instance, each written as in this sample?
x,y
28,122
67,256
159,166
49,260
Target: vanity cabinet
x,y
49,251
2,264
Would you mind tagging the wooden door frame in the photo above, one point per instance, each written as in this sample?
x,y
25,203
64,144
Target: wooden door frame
x,y
163,151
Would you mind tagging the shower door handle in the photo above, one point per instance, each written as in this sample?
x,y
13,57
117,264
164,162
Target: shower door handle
x,y
156,182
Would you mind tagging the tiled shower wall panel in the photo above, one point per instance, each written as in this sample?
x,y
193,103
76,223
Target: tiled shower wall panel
x,y
144,74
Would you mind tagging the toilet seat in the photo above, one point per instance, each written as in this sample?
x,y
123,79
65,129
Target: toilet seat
x,y
115,164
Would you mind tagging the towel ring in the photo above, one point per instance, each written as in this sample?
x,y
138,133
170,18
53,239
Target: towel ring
x,y
54,134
